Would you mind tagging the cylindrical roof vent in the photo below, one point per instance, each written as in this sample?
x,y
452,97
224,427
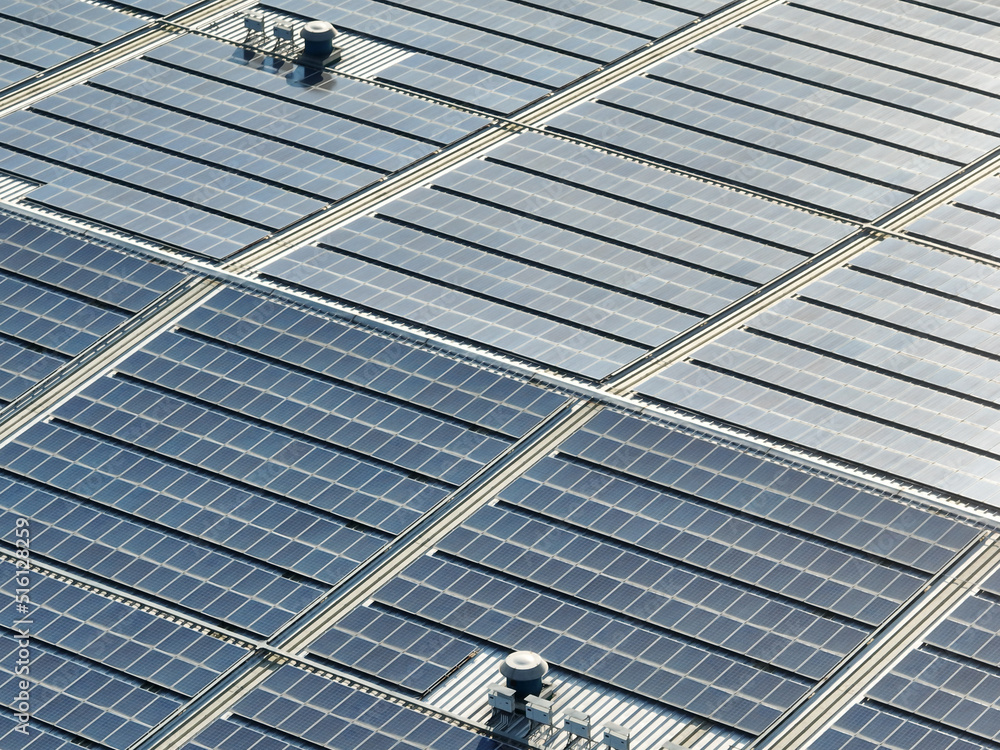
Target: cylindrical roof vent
x,y
524,671
317,37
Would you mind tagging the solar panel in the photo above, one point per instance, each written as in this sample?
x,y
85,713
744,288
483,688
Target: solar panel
x,y
81,698
362,102
867,726
888,363
245,152
330,127
792,51
658,663
478,252
74,264
160,172
383,645
306,710
848,515
127,640
202,578
28,49
687,600
673,527
74,18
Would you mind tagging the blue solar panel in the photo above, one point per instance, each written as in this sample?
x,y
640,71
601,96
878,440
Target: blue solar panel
x,y
302,710
888,363
127,640
251,154
568,631
35,48
333,126
81,698
389,647
154,560
157,171
871,727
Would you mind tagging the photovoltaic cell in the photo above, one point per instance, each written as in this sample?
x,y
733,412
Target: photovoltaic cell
x,y
519,264
83,267
155,561
127,640
613,578
395,649
887,363
691,572
153,170
74,18
29,49
805,51
674,529
83,699
310,711
360,101
870,727
847,515
172,495
41,737
58,295
245,153
330,126
657,664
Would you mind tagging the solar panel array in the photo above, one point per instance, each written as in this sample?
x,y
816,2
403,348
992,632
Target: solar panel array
x,y
382,645
303,710
39,35
500,55
969,222
215,170
119,637
187,476
59,294
944,694
888,362
557,253
99,669
815,103
240,465
681,569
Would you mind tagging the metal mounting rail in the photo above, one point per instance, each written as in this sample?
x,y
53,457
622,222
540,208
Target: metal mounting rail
x,y
860,673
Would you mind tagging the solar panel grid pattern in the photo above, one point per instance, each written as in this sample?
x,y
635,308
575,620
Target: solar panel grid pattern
x,y
58,295
83,698
74,18
311,711
121,638
498,55
189,453
326,131
943,694
706,111
43,737
889,362
557,253
172,566
209,155
688,572
384,645
27,50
